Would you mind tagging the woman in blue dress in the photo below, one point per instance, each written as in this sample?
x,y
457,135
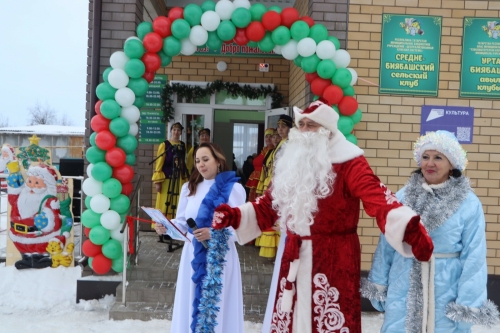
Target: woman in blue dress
x,y
448,293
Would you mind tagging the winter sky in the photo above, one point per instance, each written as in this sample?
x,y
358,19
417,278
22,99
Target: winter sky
x,y
43,58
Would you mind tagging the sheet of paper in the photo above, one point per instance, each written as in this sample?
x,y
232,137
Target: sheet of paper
x,y
172,230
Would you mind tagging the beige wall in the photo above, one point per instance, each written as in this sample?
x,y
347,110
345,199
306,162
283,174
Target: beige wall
x,y
391,124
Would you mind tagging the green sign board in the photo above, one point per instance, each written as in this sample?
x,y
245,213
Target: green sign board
x,y
235,50
480,75
152,128
152,99
409,59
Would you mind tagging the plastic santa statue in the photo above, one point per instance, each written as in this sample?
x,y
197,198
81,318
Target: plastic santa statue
x,y
6,157
35,218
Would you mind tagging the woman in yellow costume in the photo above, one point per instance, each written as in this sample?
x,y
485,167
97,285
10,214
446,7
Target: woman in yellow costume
x,y
253,180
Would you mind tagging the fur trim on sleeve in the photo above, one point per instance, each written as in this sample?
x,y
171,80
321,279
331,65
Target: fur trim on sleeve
x,y
373,291
486,315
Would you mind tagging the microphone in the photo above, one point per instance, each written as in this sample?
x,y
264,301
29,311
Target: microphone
x,y
192,224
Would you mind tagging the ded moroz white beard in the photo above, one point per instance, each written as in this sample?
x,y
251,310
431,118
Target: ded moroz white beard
x,y
28,203
303,174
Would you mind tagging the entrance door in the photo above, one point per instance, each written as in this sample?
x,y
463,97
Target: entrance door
x,y
273,115
193,118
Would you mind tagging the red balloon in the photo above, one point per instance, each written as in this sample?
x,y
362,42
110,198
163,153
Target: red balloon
x,y
115,156
101,264
152,42
127,188
149,76
124,173
348,106
333,94
271,20
97,107
241,37
99,123
105,140
175,13
311,76
289,16
318,85
152,61
86,231
308,20
255,31
161,25
90,249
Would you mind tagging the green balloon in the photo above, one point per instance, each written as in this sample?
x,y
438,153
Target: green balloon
x,y
299,30
310,64
99,235
351,138
277,9
266,44
281,35
165,59
298,61
122,218
139,101
349,91
87,201
92,138
356,116
257,11
111,188
135,68
192,14
180,29
252,44
112,249
106,73
95,155
90,218
342,78
105,91
110,109
172,46
208,5
134,49
119,127
143,29
345,125
101,171
130,159
226,30
241,17
128,143
335,41
120,204
315,98
139,86
90,262
318,32
117,264
326,69
214,42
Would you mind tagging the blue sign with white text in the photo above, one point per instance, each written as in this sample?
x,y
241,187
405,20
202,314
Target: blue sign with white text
x,y
456,119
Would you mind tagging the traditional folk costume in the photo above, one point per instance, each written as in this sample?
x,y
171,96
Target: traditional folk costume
x,y
253,180
195,260
448,294
319,277
190,157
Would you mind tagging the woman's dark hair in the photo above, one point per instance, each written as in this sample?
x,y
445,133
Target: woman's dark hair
x,y
455,173
196,177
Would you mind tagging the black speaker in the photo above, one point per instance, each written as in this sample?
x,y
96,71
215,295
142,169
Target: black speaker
x,y
73,167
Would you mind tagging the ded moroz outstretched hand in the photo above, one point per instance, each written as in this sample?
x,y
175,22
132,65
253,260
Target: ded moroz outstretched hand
x,y
419,239
225,216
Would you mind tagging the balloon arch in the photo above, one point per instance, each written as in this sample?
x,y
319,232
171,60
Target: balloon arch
x,y
121,95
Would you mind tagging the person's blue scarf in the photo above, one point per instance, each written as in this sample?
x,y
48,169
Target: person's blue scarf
x,y
204,309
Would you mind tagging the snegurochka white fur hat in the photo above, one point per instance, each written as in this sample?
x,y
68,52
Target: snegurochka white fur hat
x,y
444,142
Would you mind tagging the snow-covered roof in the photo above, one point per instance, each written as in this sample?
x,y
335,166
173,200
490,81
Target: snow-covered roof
x,y
45,129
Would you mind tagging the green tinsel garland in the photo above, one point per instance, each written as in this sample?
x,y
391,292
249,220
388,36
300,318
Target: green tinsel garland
x,y
191,93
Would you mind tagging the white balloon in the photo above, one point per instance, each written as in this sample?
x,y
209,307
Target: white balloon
x,y
134,129
325,49
210,20
125,97
198,35
221,66
306,47
133,37
241,3
277,49
110,219
91,187
225,9
342,58
89,169
289,50
187,48
131,114
117,78
116,234
118,59
100,203
354,76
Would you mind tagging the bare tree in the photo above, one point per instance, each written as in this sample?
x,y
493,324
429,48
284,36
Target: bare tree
x,y
65,120
4,121
42,115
